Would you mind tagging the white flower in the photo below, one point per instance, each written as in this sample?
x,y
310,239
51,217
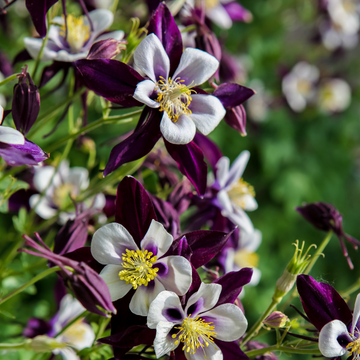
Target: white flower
x,y
298,85
76,44
235,195
197,325
336,340
143,269
59,186
334,95
184,111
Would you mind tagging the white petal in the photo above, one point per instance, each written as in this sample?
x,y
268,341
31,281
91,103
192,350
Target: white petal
x,y
164,308
79,177
33,46
117,288
181,132
101,20
68,353
151,59
255,278
54,35
143,297
224,201
250,241
157,239
110,242
43,207
239,218
11,136
143,91
99,202
84,336
225,317
328,343
210,352
163,342
195,67
238,167
65,56
178,276
117,35
356,313
250,204
222,170
219,16
206,112
205,298
1,113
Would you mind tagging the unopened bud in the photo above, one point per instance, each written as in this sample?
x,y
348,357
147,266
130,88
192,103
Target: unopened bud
x,y
87,144
276,320
106,49
42,344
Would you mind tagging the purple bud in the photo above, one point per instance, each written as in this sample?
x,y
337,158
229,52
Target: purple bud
x,y
106,49
276,320
236,118
26,103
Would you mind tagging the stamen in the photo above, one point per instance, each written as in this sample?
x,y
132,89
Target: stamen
x,y
354,347
195,333
138,267
239,190
174,97
77,32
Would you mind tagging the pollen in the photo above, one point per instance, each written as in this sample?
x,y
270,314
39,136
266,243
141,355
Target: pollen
x,y
138,268
77,32
354,347
195,333
238,191
174,97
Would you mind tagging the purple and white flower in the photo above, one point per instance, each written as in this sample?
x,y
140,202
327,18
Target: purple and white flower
x,y
142,268
183,109
235,196
73,43
198,325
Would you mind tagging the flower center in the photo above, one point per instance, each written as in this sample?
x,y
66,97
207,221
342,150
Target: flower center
x,y
62,193
304,87
194,333
77,32
138,267
244,258
75,334
174,97
354,348
238,191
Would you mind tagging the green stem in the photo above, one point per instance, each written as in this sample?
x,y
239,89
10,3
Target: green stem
x,y
15,346
257,326
354,287
31,282
102,327
291,350
8,79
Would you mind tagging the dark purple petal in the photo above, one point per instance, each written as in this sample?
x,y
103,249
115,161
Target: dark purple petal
x,y
105,49
237,12
36,327
179,196
190,160
163,25
134,208
5,65
236,118
83,255
38,10
321,302
230,68
20,199
205,244
109,208
231,94
207,41
137,145
27,154
232,284
50,71
211,151
180,247
111,79
231,350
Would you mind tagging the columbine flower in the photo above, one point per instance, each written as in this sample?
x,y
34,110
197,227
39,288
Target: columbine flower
x,y
72,42
183,109
298,85
235,195
329,313
143,268
60,185
197,326
334,95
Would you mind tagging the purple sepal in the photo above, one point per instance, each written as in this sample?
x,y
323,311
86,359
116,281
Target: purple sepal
x,y
163,25
190,160
179,198
36,327
20,199
137,145
237,12
236,118
230,68
231,350
180,247
26,103
105,49
134,208
321,302
27,154
211,151
50,71
111,79
232,284
38,10
232,95
109,208
88,287
84,255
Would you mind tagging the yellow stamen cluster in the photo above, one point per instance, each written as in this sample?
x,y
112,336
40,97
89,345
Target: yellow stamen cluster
x,y
194,333
244,258
138,267
62,193
77,32
238,191
75,333
354,348
174,97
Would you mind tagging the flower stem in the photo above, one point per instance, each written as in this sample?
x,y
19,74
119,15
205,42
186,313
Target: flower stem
x,y
15,346
354,287
291,350
8,79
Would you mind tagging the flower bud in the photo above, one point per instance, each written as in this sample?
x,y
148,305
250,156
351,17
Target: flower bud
x,y
276,320
106,49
